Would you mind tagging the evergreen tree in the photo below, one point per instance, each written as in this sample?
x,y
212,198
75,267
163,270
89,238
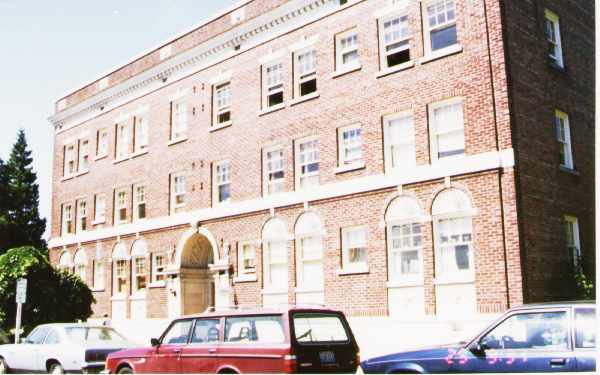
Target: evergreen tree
x,y
3,204
24,227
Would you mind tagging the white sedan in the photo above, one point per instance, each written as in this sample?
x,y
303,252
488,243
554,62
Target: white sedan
x,y
60,348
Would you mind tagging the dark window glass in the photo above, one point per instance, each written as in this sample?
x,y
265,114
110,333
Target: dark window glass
x,y
461,253
443,37
224,192
142,210
308,87
224,117
398,58
275,99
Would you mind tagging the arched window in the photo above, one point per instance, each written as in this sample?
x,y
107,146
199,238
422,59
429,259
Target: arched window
x,y
275,256
81,263
452,212
139,266
403,221
309,252
119,258
65,263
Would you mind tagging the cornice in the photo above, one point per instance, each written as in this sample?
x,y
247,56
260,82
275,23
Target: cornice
x,y
247,35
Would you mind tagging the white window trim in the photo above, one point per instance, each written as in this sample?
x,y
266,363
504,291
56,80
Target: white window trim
x,y
82,156
224,109
99,219
566,144
115,277
340,67
99,152
155,273
136,202
300,277
143,148
297,167
243,274
389,168
576,238
383,53
68,158
429,54
433,133
79,227
266,171
135,291
461,276
313,74
346,267
216,185
265,87
267,246
359,163
182,126
174,194
66,219
118,206
127,142
400,279
101,285
553,17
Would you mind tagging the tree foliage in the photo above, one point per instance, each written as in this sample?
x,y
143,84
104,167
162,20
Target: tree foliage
x,y
52,295
20,222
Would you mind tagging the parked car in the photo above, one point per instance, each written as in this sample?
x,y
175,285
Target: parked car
x,y
59,348
265,340
558,337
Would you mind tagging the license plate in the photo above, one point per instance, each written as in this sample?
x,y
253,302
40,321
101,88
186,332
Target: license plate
x,y
327,357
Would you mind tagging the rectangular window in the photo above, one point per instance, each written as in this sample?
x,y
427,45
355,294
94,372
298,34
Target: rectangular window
x,y
222,102
84,155
82,216
394,40
98,275
140,274
120,207
159,268
573,242
246,258
554,39
585,328
350,146
274,177
100,208
272,85
102,143
447,129
178,120
67,214
305,72
254,329
440,25
222,182
405,250
354,248
178,191
399,141
141,134
120,277
319,328
455,239
122,147
139,202
347,56
563,135
307,163
69,161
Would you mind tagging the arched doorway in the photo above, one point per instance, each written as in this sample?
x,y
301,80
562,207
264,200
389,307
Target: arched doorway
x,y
192,285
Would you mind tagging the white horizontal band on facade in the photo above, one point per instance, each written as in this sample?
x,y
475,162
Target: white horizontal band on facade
x,y
268,26
441,169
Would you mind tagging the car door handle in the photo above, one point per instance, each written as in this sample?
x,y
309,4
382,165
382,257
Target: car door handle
x,y
212,351
558,362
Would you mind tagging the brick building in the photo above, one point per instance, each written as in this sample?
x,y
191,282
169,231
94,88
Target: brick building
x,y
385,157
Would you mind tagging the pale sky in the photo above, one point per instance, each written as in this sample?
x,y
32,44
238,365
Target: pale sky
x,y
48,48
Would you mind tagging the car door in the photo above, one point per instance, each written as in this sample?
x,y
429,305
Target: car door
x,y
49,349
585,338
525,341
166,358
200,355
20,357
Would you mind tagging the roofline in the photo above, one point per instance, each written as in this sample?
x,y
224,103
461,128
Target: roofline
x,y
157,47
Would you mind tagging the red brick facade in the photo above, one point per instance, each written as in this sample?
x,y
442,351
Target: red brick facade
x,y
509,246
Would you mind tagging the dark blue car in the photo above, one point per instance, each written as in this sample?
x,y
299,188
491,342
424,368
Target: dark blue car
x,y
558,337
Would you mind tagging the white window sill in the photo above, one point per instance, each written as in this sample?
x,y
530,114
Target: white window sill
x,y
157,284
398,68
301,289
100,157
98,290
572,171
466,279
66,178
176,141
448,159
353,271
117,161
406,282
220,126
272,291
349,168
304,98
138,297
345,70
245,278
119,298
81,173
272,109
103,221
139,153
450,50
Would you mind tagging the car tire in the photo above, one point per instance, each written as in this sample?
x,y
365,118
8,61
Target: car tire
x,y
56,369
4,367
125,370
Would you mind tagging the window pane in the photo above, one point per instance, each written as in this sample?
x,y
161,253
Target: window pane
x,y
178,333
262,329
443,37
313,328
206,331
585,328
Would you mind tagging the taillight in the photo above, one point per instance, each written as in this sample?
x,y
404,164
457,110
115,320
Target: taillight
x,y
290,364
358,358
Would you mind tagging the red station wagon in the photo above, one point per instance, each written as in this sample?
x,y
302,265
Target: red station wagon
x,y
266,340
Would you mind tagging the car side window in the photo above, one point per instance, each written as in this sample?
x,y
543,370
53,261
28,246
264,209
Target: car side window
x,y
585,328
206,331
262,329
52,338
38,335
536,331
178,333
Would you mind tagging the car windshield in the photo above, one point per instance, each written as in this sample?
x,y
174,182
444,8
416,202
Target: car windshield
x,y
83,334
319,328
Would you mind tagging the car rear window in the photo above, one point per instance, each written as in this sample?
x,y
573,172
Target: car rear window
x,y
254,329
83,334
319,328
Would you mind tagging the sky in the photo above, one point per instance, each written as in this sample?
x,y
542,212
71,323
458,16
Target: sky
x,y
48,48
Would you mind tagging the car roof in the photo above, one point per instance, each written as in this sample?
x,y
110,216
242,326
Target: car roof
x,y
560,304
256,310
73,325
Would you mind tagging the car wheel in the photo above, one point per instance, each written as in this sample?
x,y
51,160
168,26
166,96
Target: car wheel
x,y
56,369
3,367
125,370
